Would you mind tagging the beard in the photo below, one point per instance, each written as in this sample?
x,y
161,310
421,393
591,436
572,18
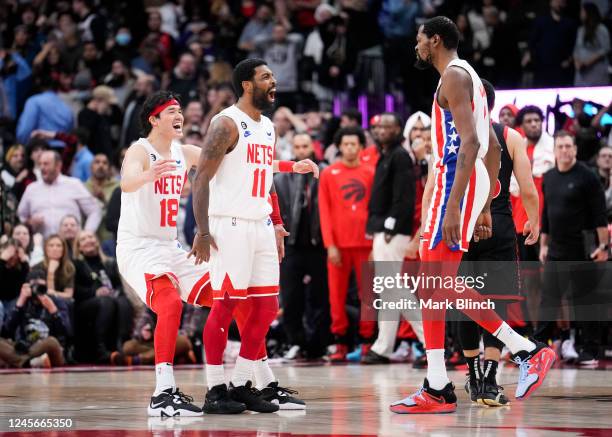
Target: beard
x,y
423,64
260,100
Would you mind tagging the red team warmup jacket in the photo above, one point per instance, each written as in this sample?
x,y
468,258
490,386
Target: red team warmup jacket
x,y
350,188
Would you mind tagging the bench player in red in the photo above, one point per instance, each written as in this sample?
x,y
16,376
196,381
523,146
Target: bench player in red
x,y
459,193
344,193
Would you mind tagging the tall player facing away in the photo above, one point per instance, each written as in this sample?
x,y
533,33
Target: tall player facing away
x,y
500,254
232,183
458,195
148,254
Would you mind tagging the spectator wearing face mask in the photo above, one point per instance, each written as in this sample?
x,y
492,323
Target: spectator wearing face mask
x,y
122,47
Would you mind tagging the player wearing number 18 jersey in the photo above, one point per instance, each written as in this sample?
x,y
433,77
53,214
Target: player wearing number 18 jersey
x,y
149,256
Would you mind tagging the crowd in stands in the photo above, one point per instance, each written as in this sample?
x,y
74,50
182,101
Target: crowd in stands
x,y
74,75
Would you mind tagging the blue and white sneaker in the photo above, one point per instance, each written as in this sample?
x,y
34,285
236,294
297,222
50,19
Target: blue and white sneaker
x,y
533,367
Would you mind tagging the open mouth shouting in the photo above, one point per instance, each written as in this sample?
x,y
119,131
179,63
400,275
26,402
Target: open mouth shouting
x,y
178,127
272,94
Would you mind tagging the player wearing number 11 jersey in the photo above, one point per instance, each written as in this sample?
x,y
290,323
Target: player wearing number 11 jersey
x,y
230,197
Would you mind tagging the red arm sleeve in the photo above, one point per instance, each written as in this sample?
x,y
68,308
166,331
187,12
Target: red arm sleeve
x,y
325,211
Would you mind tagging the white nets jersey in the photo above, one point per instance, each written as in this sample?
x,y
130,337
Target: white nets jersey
x,y
444,132
445,146
152,210
241,185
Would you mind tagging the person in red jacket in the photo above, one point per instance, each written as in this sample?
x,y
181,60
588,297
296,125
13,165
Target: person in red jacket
x,y
344,193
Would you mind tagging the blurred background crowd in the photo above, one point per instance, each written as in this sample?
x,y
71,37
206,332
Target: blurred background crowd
x,y
74,75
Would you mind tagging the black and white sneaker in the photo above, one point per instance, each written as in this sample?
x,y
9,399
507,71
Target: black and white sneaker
x,y
218,401
492,394
173,403
252,398
283,397
472,388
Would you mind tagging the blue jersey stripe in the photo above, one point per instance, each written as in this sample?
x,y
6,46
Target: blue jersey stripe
x,y
449,160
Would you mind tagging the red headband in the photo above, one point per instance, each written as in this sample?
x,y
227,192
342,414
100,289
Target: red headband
x,y
161,107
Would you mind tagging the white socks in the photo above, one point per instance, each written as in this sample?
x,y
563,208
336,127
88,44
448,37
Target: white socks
x,y
164,377
513,339
263,374
436,369
214,375
243,371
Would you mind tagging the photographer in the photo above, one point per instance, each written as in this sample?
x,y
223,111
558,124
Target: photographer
x,y
139,349
36,327
13,271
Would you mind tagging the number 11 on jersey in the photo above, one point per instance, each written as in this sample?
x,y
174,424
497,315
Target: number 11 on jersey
x,y
259,183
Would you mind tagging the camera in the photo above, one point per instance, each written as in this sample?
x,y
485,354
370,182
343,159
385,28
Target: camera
x,y
38,289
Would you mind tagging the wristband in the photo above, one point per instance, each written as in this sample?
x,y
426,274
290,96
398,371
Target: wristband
x,y
275,216
285,166
204,235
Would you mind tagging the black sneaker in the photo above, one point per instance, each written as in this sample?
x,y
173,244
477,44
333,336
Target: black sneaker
x,y
282,397
373,358
173,403
218,401
492,395
472,388
421,362
252,398
586,358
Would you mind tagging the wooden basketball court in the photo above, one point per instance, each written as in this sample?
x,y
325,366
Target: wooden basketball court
x,y
341,400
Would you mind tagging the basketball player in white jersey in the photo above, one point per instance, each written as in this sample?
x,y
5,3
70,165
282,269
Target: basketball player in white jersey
x,y
230,194
149,256
458,196
151,259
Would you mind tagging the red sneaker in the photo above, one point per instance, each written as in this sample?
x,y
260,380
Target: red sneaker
x,y
340,355
533,367
365,348
428,401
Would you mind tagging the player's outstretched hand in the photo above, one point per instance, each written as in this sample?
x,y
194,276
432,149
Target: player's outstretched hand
x,y
451,226
532,233
280,233
484,228
306,166
201,248
159,169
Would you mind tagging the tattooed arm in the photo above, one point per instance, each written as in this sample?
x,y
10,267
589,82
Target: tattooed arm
x,y
221,137
456,95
